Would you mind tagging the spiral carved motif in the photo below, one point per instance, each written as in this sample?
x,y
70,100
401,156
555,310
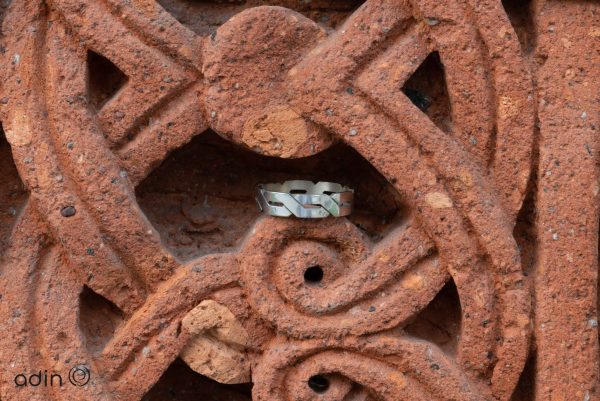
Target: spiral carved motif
x,y
281,84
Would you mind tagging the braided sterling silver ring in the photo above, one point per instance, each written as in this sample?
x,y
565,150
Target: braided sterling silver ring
x,y
305,199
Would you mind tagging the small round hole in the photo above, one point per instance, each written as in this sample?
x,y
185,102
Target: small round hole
x,y
313,274
318,384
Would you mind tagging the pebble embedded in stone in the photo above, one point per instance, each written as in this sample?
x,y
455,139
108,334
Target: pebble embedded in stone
x,y
68,211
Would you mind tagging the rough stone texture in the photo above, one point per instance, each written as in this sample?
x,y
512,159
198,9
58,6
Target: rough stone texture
x,y
130,243
217,347
568,55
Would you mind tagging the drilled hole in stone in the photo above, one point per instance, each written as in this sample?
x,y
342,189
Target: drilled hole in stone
x,y
313,275
427,90
318,383
104,79
201,199
98,319
13,194
181,383
204,17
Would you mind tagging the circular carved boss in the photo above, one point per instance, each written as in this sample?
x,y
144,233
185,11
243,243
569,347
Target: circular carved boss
x,y
465,185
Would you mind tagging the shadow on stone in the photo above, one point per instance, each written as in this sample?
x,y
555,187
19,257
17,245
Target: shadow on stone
x,y
13,194
201,199
180,383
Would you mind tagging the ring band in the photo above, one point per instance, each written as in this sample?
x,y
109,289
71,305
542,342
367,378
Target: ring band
x,y
305,199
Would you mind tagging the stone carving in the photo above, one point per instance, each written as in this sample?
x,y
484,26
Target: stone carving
x,y
98,93
217,347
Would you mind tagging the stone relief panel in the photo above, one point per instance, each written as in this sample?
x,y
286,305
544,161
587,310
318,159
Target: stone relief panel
x,y
135,264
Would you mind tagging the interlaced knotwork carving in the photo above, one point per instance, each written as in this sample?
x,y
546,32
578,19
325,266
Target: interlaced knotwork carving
x,y
276,82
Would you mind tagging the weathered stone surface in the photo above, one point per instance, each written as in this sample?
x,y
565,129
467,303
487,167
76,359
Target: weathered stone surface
x,y
217,344
131,247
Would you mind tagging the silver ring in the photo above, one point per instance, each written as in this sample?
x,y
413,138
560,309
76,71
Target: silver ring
x,y
305,199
